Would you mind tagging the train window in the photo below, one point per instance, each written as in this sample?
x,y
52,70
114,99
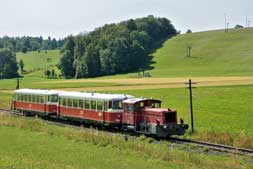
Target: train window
x,y
80,104
37,99
70,103
64,102
53,98
33,99
87,104
105,105
110,105
18,97
26,98
93,105
137,107
129,108
29,98
100,105
22,97
117,104
75,103
42,99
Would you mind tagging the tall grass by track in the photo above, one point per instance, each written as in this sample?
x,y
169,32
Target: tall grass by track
x,y
28,143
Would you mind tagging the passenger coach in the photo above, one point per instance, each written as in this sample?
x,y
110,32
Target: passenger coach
x,y
41,102
94,107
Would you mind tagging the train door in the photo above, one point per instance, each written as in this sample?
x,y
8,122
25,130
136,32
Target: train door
x,y
129,115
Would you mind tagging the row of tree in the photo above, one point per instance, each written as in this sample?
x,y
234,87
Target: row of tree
x,y
8,64
114,48
27,43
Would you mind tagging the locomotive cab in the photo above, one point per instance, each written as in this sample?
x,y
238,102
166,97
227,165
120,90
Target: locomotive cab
x,y
146,116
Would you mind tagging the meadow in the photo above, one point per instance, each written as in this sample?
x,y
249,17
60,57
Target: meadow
x,y
43,59
31,143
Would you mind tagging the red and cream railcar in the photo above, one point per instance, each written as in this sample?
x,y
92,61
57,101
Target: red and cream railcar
x,y
41,102
95,107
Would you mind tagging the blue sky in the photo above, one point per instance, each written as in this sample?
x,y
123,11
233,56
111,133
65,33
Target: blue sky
x,y
59,18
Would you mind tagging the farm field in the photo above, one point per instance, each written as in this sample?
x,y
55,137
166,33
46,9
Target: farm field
x,y
36,144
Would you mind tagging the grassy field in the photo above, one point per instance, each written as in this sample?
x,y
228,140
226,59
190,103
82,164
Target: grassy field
x,y
36,62
34,144
214,53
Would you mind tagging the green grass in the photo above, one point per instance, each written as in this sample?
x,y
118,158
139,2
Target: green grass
x,y
34,59
214,53
28,143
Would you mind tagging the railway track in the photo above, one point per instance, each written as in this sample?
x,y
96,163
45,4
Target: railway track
x,y
214,146
210,146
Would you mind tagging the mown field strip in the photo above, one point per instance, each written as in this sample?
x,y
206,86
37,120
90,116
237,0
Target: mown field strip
x,y
145,83
139,81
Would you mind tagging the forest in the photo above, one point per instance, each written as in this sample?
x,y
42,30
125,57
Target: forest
x,y
27,43
114,48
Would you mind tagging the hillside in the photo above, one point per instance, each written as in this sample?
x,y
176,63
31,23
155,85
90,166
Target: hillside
x,y
214,53
39,60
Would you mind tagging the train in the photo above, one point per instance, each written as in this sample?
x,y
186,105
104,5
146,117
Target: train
x,y
121,111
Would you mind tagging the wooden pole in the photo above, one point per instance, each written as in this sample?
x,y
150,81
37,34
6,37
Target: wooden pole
x,y
191,107
190,83
17,87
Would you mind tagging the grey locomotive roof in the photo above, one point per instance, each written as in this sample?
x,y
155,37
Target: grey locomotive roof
x,y
134,100
37,91
95,96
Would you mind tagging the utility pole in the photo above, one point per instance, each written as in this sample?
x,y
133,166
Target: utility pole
x,y
190,83
225,15
246,25
17,86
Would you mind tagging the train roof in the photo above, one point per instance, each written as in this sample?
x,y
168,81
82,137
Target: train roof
x,y
95,96
37,91
134,100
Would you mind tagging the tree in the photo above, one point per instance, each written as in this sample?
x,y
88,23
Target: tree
x,y
53,73
8,64
238,26
47,73
66,64
189,31
21,65
92,61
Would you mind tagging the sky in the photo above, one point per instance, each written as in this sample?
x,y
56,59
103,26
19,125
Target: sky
x,y
60,18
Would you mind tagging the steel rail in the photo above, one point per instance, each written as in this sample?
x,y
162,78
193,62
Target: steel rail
x,y
214,146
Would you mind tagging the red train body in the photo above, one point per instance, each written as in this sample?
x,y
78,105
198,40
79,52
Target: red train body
x,y
115,110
